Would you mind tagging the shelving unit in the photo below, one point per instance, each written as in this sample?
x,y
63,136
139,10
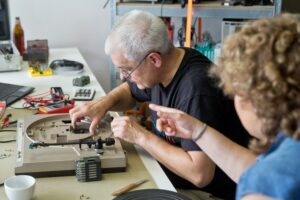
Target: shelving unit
x,y
206,9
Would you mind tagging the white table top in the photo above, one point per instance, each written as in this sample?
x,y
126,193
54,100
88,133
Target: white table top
x,y
43,83
68,187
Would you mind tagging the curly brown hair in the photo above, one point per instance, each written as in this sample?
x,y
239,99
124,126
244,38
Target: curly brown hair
x,y
261,63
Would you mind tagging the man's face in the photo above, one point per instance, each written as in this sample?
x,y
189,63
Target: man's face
x,y
137,72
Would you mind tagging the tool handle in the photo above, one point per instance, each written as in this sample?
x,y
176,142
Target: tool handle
x,y
125,189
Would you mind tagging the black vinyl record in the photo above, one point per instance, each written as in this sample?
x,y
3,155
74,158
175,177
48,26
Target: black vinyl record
x,y
151,194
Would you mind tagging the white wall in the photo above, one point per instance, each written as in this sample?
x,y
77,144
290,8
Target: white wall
x,y
69,23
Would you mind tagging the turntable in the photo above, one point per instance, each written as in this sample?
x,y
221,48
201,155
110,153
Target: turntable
x,y
47,146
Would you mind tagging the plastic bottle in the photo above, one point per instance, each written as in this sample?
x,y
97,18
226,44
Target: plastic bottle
x,y
18,36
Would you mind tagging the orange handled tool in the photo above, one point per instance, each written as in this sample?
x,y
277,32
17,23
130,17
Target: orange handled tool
x,y
128,187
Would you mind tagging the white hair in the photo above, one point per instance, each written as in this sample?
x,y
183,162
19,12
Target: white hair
x,y
138,33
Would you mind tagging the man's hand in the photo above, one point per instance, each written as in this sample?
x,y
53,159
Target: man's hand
x,y
128,130
92,110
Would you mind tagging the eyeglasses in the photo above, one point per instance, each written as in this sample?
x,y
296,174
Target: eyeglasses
x,y
127,73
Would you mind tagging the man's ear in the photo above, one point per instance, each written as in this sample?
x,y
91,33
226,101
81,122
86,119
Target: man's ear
x,y
155,59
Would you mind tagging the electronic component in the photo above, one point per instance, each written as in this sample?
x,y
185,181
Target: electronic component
x,y
98,144
6,48
37,51
55,97
38,69
37,54
84,94
47,146
10,60
56,108
88,169
81,81
57,93
57,104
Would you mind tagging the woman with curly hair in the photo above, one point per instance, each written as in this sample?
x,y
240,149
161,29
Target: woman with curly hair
x,y
260,69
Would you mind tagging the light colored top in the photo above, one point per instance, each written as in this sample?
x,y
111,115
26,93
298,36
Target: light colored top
x,y
276,172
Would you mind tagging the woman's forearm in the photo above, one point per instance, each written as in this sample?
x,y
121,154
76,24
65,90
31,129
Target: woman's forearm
x,y
232,158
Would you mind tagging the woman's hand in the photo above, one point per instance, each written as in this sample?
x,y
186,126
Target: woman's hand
x,y
175,122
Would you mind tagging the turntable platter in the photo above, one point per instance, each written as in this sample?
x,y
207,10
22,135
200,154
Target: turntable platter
x,y
151,194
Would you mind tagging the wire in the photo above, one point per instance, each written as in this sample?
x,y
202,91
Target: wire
x,y
53,97
67,96
33,102
7,130
39,99
195,22
7,141
25,107
34,95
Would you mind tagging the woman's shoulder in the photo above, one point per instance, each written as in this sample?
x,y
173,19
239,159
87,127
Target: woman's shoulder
x,y
275,173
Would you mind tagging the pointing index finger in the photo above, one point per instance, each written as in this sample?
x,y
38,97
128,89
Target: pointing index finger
x,y
158,108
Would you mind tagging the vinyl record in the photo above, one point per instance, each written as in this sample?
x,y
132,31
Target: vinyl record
x,y
151,194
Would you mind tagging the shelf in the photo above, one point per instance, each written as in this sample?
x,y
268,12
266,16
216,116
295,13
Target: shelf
x,y
206,9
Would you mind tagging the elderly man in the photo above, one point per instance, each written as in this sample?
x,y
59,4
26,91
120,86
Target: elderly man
x,y
155,71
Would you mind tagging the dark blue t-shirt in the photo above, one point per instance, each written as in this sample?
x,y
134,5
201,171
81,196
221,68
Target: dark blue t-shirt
x,y
194,92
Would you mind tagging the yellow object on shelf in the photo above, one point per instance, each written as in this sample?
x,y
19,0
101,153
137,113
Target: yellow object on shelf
x,y
39,70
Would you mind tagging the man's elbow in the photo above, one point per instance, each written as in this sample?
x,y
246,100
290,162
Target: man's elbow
x,y
202,180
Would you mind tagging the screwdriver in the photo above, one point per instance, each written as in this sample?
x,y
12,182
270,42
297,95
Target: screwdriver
x,y
128,187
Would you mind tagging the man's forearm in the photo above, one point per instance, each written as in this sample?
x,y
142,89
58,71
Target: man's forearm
x,y
199,167
119,99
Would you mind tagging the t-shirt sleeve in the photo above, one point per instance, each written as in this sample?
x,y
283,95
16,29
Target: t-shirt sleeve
x,y
139,95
